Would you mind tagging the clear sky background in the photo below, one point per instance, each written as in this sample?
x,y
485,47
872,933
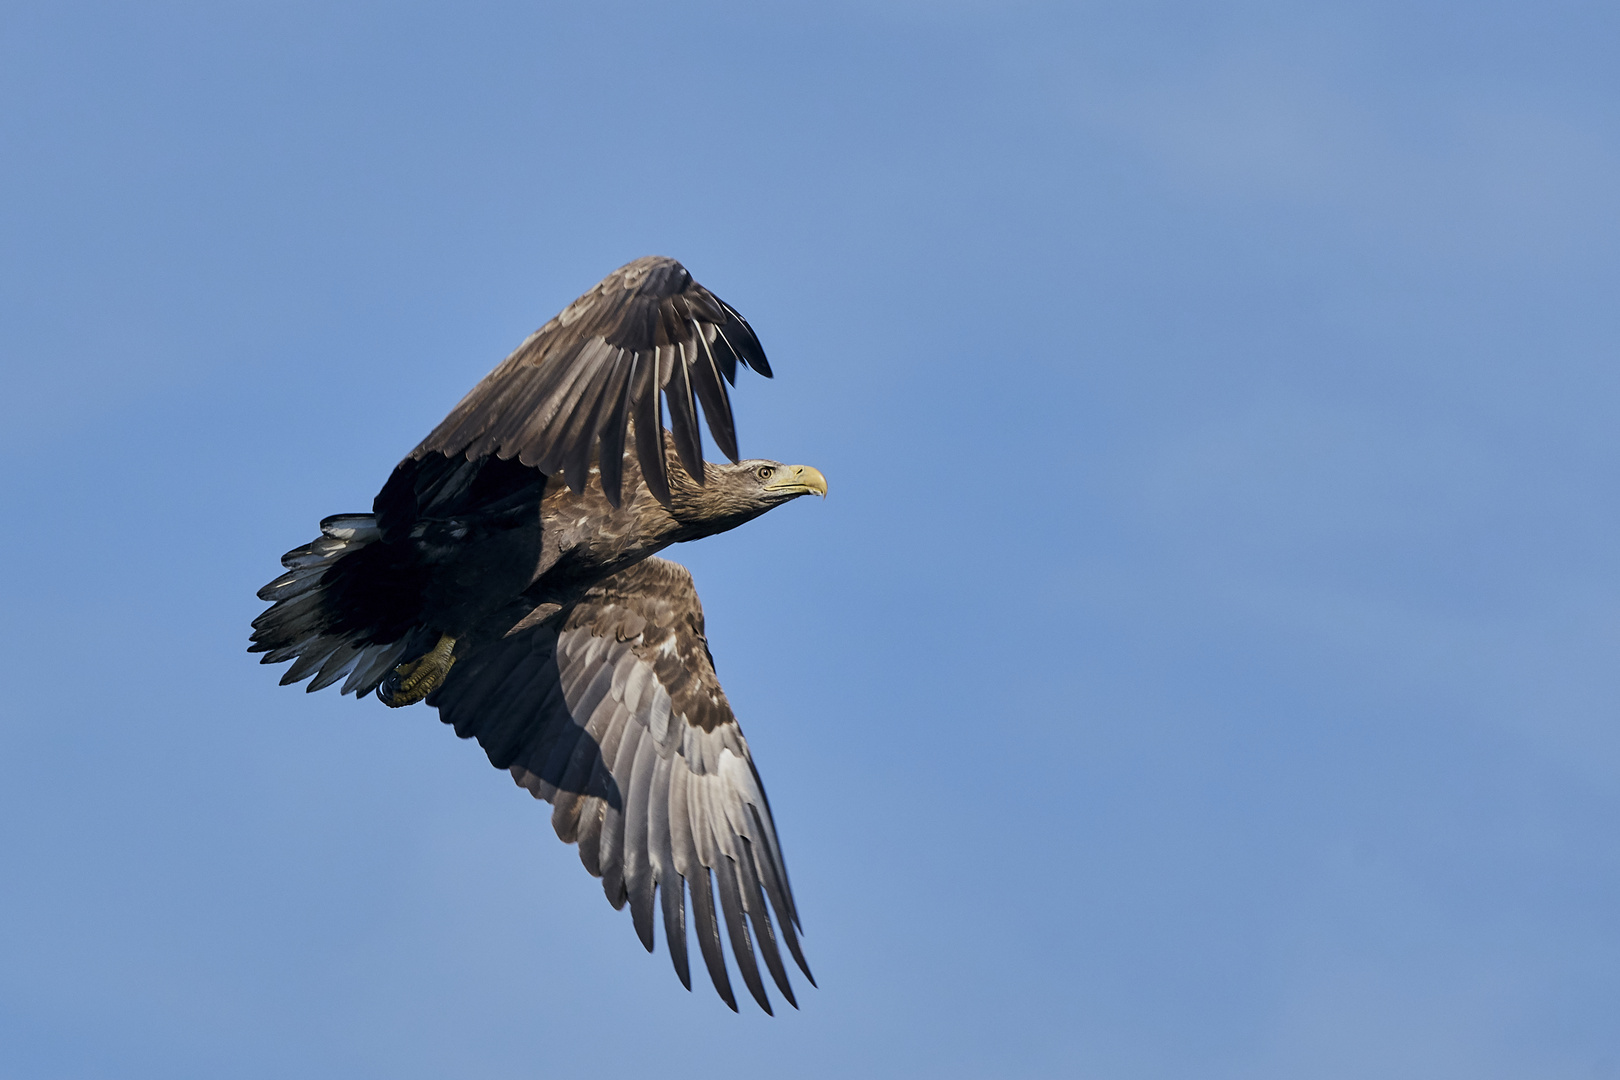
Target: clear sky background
x,y
1207,663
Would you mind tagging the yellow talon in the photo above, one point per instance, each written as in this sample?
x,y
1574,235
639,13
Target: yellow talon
x,y
421,677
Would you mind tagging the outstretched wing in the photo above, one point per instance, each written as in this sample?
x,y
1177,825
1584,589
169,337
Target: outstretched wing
x,y
617,719
583,378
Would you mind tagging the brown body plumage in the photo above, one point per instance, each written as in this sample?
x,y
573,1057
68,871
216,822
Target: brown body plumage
x,y
506,575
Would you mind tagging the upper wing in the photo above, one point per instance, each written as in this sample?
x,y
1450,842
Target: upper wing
x,y
618,720
646,329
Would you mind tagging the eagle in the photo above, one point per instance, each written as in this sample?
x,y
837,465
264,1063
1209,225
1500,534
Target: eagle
x,y
507,576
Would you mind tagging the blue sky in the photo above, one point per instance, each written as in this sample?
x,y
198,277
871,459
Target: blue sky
x,y
1207,661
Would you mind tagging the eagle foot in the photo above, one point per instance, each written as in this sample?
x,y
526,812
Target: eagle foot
x,y
414,681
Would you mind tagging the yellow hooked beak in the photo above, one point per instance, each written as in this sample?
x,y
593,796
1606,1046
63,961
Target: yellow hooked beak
x,y
799,480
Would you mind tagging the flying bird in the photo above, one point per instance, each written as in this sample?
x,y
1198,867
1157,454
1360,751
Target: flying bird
x,y
507,576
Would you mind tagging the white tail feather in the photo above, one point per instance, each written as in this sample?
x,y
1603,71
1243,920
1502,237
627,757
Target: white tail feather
x,y
295,626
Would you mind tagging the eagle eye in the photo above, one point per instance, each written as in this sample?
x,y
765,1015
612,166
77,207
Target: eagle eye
x,y
764,472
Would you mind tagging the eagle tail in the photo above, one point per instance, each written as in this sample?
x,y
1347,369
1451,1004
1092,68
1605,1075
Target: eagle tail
x,y
324,610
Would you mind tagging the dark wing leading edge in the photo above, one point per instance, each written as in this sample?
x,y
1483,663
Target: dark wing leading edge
x,y
646,329
617,720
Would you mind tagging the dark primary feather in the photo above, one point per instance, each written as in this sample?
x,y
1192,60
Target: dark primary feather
x,y
612,712
647,332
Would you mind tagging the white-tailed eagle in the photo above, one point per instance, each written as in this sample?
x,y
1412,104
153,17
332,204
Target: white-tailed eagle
x,y
506,575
